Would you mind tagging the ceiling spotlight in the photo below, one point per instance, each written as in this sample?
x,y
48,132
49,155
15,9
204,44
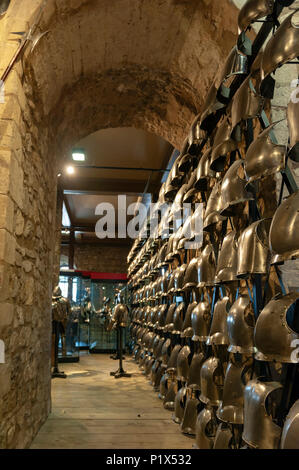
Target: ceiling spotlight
x,y
70,170
78,155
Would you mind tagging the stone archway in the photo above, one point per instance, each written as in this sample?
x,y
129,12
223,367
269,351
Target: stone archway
x,y
102,64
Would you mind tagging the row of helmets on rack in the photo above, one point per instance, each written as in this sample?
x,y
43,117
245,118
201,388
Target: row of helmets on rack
x,y
199,354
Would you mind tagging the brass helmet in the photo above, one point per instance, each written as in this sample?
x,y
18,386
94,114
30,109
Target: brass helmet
x,y
260,430
233,189
264,157
252,11
204,172
290,432
223,145
253,249
227,259
284,230
275,331
282,46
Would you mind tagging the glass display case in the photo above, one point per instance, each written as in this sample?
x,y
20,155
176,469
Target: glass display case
x,y
101,340
70,284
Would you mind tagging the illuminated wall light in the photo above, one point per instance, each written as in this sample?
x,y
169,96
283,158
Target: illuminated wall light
x,y
70,170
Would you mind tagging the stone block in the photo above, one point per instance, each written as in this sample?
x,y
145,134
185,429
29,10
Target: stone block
x,y
6,213
6,315
7,247
4,379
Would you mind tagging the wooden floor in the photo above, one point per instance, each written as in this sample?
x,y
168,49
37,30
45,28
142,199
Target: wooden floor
x,y
92,410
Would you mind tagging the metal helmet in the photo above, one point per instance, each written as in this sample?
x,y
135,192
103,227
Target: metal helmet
x,y
165,353
191,191
264,157
233,189
186,162
162,316
169,318
235,64
171,387
172,363
194,370
282,46
223,437
187,330
238,373
293,118
253,249
246,103
191,274
178,319
188,424
57,292
204,172
252,11
183,364
275,331
201,321
211,382
211,109
205,429
179,405
223,145
218,333
227,260
290,432
214,205
260,430
240,326
207,267
120,315
160,260
179,279
284,230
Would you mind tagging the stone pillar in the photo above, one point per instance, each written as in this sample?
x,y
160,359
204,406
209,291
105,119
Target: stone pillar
x,y
58,225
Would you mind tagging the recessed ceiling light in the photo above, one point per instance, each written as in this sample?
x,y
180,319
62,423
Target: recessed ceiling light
x,y
78,155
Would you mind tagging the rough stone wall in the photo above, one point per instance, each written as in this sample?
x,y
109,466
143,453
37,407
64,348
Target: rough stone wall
x,y
106,259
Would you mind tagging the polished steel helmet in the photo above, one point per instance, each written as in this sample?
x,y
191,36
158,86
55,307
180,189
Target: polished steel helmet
x,y
211,109
211,382
223,145
293,119
233,189
252,11
282,47
187,330
183,364
179,405
187,162
235,64
178,319
218,333
194,370
191,275
224,437
253,249
238,373
284,230
260,430
290,432
205,429
121,315
179,278
160,259
201,321
191,192
246,103
275,332
207,267
204,172
227,259
214,205
240,326
188,424
162,316
166,351
264,157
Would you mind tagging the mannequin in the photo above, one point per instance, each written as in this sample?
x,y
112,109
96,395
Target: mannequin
x,y
61,309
